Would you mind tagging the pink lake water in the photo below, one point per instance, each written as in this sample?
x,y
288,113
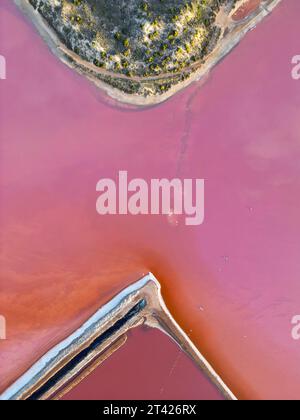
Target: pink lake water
x,y
232,283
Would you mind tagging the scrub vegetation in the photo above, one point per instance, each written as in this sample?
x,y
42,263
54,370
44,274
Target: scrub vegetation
x,y
140,47
138,39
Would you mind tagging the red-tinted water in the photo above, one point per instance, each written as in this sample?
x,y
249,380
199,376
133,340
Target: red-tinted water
x,y
149,366
232,283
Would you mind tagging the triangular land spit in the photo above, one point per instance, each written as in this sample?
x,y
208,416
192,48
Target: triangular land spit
x,y
144,51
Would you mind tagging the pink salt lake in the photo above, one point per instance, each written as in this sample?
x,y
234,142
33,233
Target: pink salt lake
x,y
232,283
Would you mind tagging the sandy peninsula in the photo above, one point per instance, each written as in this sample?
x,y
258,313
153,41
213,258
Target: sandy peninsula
x,y
166,50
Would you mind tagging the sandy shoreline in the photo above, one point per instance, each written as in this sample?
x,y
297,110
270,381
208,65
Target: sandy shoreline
x,y
235,33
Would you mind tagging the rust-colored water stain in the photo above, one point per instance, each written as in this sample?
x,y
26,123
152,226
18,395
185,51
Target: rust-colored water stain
x,y
248,7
